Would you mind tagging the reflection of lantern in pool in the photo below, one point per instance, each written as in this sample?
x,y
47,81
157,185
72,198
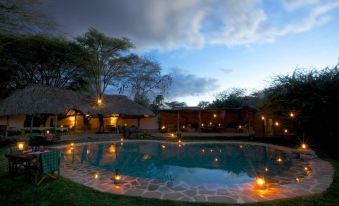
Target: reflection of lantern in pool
x,y
146,157
216,159
96,176
163,146
266,169
260,181
117,177
179,141
112,148
88,151
307,170
21,146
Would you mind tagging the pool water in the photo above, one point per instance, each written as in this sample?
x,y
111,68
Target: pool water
x,y
222,164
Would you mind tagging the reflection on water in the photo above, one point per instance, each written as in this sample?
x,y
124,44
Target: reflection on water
x,y
225,164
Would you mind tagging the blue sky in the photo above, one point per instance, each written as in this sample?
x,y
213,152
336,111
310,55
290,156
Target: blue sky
x,y
212,45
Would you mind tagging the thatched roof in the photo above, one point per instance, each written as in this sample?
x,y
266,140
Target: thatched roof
x,y
49,100
41,100
119,104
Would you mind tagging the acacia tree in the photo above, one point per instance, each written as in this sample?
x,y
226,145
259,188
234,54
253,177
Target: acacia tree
x,y
144,80
312,95
41,60
23,16
110,62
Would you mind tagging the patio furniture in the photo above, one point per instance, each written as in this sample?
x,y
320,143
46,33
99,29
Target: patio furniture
x,y
49,164
18,161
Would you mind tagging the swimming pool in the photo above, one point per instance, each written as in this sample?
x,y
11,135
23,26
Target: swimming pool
x,y
196,171
221,164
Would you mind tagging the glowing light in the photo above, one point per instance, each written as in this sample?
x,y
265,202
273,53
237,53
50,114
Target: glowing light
x,y
241,146
210,123
276,124
163,146
146,115
72,144
298,180
260,181
47,132
172,134
117,177
179,141
88,151
214,115
216,159
219,124
203,150
122,139
163,127
266,169
112,148
99,101
146,157
279,160
96,176
211,150
220,150
239,126
21,146
303,146
183,126
291,114
61,126
285,130
262,118
202,124
113,120
179,145
307,170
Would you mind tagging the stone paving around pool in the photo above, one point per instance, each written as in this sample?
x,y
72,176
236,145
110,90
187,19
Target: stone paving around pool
x,y
283,186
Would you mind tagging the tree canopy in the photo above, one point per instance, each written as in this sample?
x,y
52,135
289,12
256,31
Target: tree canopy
x,y
44,60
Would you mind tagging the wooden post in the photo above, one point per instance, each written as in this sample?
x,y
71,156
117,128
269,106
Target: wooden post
x,y
7,125
199,118
55,124
178,121
138,122
75,120
32,119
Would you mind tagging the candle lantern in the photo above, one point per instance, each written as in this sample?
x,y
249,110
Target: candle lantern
x,y
20,146
117,178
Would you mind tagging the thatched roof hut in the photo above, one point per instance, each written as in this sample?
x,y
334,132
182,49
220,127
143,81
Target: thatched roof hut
x,y
49,100
120,104
41,100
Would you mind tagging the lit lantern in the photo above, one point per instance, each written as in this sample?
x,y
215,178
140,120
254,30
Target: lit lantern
x,y
219,124
88,151
266,169
276,124
183,126
72,144
172,134
20,146
61,126
210,123
298,180
99,101
179,141
291,114
146,157
96,176
214,115
262,118
239,126
216,159
303,146
211,150
47,132
285,131
122,139
260,181
202,124
117,177
112,148
279,160
307,170
163,127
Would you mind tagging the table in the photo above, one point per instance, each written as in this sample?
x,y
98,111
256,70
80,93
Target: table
x,y
16,160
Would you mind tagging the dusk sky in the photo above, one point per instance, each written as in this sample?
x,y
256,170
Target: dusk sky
x,y
211,45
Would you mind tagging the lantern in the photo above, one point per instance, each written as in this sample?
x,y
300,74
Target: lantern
x,y
117,177
20,146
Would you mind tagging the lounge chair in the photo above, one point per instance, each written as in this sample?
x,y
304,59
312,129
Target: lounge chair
x,y
49,164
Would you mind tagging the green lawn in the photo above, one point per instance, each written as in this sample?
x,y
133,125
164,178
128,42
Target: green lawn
x,y
64,192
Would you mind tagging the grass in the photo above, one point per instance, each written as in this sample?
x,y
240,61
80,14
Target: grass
x,y
66,192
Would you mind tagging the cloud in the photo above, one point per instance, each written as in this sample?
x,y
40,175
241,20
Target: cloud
x,y
226,71
185,84
171,24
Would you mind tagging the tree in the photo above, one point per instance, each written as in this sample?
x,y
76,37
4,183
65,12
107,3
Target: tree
x,y
203,104
144,80
42,60
110,61
175,104
23,16
312,95
158,102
